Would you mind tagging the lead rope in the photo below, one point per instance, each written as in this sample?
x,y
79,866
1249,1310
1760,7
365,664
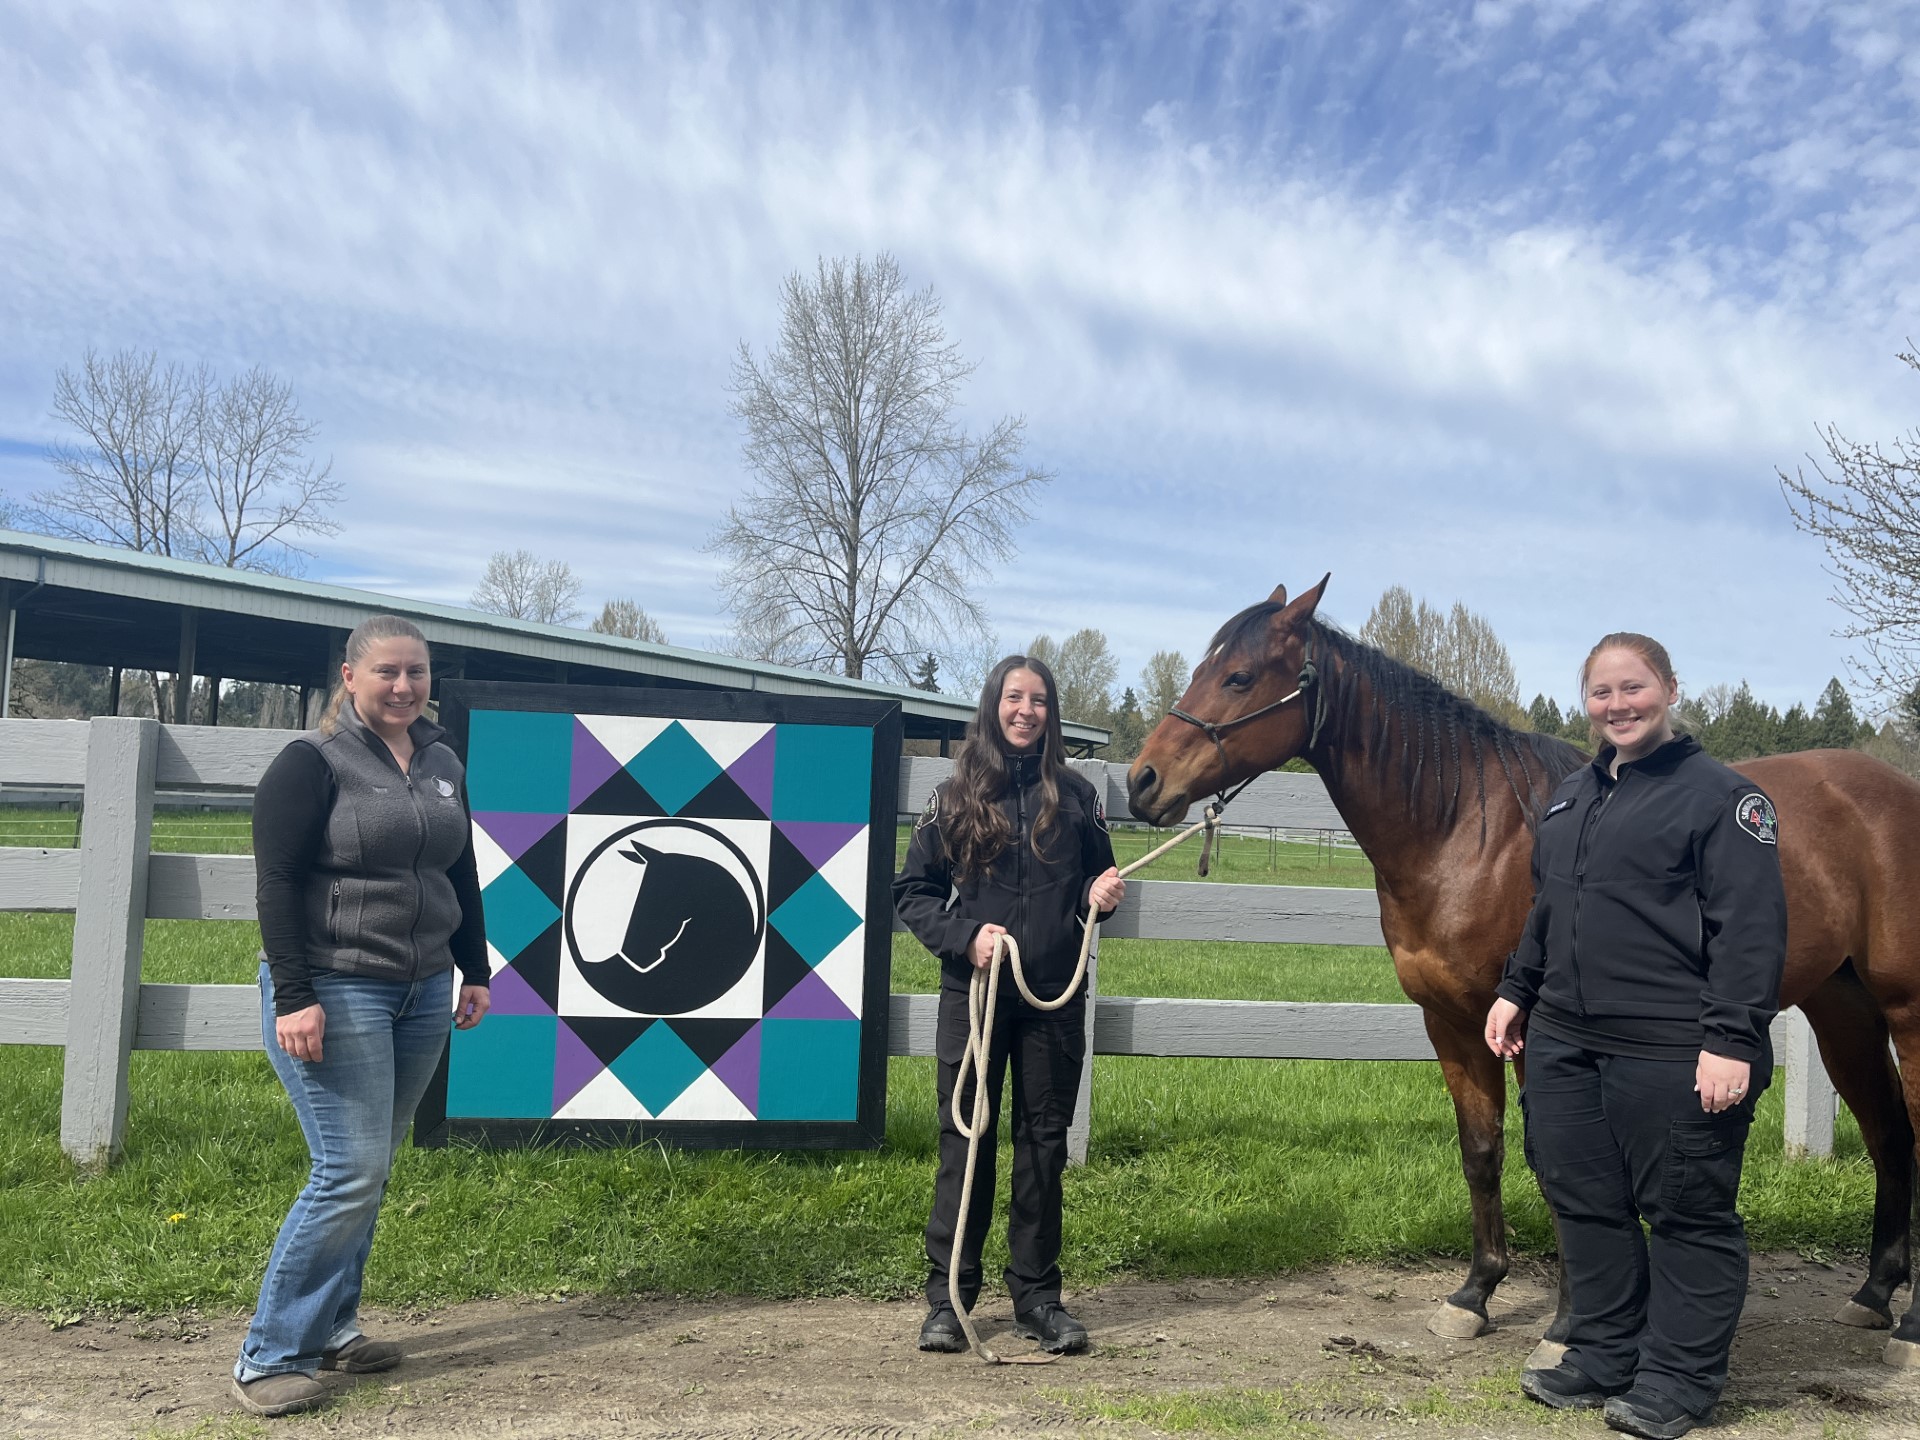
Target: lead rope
x,y
983,997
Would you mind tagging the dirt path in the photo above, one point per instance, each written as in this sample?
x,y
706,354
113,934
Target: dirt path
x,y
1342,1352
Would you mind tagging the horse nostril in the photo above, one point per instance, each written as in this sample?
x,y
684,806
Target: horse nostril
x,y
1143,779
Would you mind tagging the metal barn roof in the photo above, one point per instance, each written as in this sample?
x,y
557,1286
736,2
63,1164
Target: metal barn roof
x,y
95,605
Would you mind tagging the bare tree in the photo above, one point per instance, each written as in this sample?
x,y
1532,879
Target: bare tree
x,y
172,462
1867,513
521,586
625,618
258,486
1162,683
871,511
1085,670
1459,649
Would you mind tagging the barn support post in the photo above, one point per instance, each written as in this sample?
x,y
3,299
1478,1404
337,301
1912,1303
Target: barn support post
x,y
109,923
1809,1094
213,700
6,648
113,691
183,674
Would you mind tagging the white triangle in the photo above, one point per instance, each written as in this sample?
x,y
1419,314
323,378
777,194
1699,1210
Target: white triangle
x,y
603,1098
707,1098
845,970
488,857
725,740
624,736
846,871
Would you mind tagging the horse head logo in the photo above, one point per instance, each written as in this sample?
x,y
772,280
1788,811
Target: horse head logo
x,y
685,937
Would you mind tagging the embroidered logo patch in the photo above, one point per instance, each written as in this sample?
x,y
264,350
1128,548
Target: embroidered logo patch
x,y
1556,809
931,813
1755,813
1099,813
445,787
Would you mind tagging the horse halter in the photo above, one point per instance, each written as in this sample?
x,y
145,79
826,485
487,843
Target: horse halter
x,y
1308,678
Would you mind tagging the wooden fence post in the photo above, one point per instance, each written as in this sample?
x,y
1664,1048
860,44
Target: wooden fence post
x,y
1809,1093
109,923
1082,1127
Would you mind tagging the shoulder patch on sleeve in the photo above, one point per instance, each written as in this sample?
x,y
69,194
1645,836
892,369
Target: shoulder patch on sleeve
x,y
1754,812
932,811
1099,812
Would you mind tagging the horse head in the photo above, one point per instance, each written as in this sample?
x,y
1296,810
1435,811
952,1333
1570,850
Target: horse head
x,y
1248,708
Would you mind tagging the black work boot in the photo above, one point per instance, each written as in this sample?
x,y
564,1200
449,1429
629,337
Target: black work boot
x,y
941,1331
1565,1387
1649,1414
1050,1324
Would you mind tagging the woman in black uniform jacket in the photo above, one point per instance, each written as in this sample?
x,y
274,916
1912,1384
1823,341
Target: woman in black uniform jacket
x,y
1013,842
1642,991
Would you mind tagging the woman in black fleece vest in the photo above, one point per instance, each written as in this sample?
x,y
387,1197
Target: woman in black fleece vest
x,y
368,899
1013,843
1642,991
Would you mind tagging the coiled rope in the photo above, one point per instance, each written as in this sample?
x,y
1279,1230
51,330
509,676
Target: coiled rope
x,y
983,997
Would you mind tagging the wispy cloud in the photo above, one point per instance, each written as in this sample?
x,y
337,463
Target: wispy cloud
x,y
1519,303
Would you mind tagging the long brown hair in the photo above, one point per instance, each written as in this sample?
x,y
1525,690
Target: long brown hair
x,y
975,829
365,635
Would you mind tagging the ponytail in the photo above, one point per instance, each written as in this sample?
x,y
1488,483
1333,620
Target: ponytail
x,y
365,635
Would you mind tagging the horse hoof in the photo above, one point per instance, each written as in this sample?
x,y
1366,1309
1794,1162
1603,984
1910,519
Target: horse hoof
x,y
1456,1323
1902,1354
1861,1318
1546,1355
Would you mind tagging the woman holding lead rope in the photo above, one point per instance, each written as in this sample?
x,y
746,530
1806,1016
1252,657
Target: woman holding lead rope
x,y
1014,843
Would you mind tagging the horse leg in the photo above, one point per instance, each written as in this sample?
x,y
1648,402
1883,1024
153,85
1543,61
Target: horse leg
x,y
1477,1081
1552,1348
1903,1019
1853,1045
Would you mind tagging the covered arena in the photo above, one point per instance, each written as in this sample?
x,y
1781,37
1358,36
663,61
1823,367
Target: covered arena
x,y
91,605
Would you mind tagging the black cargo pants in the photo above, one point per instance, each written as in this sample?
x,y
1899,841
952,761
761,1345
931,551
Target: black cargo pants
x,y
1615,1140
1046,1049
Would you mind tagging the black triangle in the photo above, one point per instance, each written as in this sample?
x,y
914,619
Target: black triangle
x,y
723,800
607,1036
710,1039
787,870
545,863
785,969
539,965
620,795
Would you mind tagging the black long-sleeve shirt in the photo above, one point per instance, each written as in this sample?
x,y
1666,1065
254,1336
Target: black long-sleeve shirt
x,y
1659,921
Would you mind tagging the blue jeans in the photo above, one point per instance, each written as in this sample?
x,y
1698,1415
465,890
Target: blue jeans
x,y
382,1043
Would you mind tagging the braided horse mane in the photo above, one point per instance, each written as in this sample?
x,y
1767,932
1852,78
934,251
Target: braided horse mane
x,y
1409,729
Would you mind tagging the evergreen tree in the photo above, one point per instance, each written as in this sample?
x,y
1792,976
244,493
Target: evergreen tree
x,y
1797,731
1128,726
1835,726
1543,716
926,675
1749,728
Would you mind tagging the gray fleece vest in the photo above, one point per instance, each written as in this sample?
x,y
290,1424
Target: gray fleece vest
x,y
378,899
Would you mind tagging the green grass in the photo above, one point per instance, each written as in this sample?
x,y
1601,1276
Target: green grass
x,y
1198,1167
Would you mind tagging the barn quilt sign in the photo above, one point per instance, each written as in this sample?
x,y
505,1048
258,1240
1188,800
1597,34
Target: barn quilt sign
x,y
688,914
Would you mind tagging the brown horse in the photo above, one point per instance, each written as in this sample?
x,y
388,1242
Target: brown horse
x,y
1443,799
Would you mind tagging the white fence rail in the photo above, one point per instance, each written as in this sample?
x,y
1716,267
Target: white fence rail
x,y
112,884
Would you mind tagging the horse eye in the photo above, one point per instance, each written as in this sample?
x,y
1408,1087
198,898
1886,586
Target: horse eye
x,y
1239,680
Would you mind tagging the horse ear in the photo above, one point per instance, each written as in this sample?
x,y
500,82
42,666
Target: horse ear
x,y
639,854
1279,595
1309,600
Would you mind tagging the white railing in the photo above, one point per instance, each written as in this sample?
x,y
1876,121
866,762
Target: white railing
x,y
113,883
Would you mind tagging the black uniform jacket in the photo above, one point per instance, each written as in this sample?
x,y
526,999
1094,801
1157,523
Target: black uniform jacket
x,y
1659,922
1042,901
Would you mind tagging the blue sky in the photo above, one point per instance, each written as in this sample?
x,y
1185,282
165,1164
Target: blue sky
x,y
1512,303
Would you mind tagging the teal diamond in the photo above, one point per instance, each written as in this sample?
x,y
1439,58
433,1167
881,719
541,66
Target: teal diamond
x,y
516,912
673,769
657,1067
814,919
